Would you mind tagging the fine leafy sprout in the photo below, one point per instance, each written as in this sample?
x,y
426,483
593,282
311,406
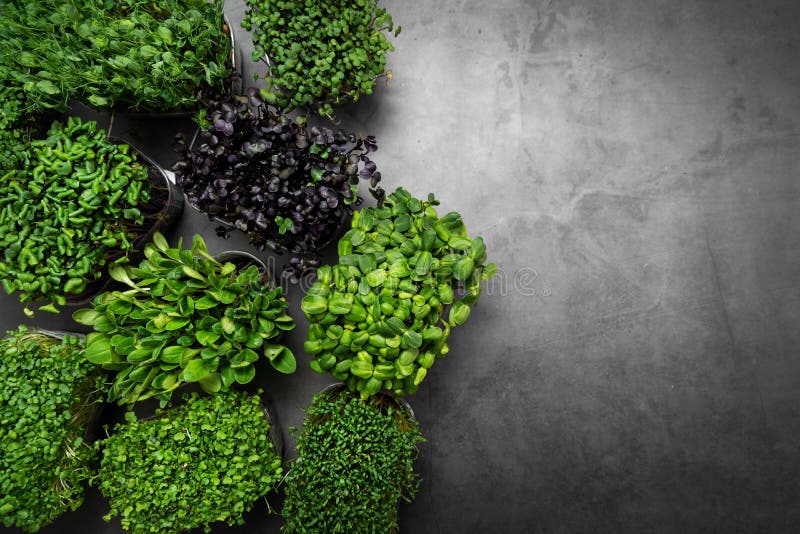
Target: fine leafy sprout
x,y
319,54
355,461
203,462
126,54
49,395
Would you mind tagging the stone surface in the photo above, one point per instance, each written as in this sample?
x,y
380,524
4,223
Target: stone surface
x,y
633,167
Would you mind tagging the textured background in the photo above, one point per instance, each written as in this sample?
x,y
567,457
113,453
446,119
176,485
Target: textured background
x,y
633,167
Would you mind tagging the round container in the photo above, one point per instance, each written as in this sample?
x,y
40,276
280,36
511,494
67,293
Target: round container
x,y
243,259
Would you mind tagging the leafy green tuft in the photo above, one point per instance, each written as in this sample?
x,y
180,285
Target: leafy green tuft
x,y
355,461
204,462
49,394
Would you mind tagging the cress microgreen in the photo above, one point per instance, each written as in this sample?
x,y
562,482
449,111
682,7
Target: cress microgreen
x,y
48,396
206,461
355,461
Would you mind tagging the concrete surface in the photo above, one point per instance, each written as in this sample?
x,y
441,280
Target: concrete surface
x,y
633,167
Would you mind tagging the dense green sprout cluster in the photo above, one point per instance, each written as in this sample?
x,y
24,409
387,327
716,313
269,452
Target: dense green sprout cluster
x,y
205,461
129,54
355,461
47,398
405,277
186,318
14,128
319,53
79,197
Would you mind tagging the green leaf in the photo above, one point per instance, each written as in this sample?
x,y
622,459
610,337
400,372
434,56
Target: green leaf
x,y
206,303
47,87
172,354
424,263
175,324
397,326
27,59
206,338
376,277
460,243
194,274
195,371
463,268
399,269
160,241
139,355
211,383
228,377
284,224
477,249
357,237
166,35
250,355
489,271
98,349
244,375
148,51
412,339
268,96
316,174
120,274
87,316
340,304
165,380
224,296
344,247
124,346
420,375
161,320
97,101
459,313
313,305
281,358
120,307
228,325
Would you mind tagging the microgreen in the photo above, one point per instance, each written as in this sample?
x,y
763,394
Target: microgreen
x,y
405,277
319,54
203,462
287,185
126,54
76,204
14,123
48,396
186,318
354,463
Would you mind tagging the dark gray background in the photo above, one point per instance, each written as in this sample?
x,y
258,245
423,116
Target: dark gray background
x,y
633,167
